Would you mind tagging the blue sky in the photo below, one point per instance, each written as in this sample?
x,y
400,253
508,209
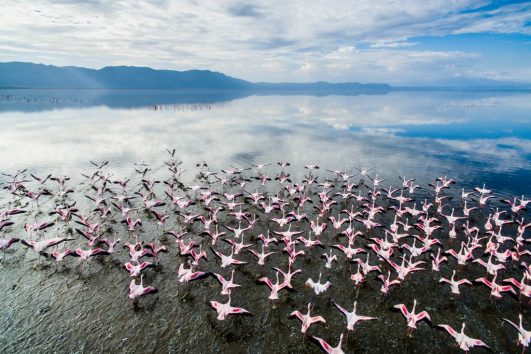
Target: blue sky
x,y
405,43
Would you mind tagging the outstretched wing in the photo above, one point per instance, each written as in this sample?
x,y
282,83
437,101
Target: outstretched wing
x,y
298,315
512,324
196,275
475,342
340,308
449,329
402,309
326,347
423,315
507,288
267,281
485,281
317,319
236,310
220,278
216,305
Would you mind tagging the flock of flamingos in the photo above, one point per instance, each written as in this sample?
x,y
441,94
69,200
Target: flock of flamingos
x,y
388,232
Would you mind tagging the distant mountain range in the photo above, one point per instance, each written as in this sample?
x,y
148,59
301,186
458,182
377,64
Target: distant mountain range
x,y
40,76
19,75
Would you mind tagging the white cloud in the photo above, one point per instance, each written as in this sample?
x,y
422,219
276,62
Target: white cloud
x,y
260,41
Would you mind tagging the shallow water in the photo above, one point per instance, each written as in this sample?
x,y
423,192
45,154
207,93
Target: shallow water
x,y
474,138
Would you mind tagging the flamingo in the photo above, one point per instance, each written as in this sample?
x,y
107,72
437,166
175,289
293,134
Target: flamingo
x,y
187,274
227,260
288,275
135,269
226,309
352,317
328,348
137,290
275,288
227,285
524,288
524,337
455,283
318,287
306,319
261,256
495,289
329,259
465,342
412,317
39,246
387,282
6,243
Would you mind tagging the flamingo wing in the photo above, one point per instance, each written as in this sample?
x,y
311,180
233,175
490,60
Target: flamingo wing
x,y
507,288
220,278
298,314
236,261
485,281
216,305
326,347
149,289
196,275
402,309
236,310
464,281
317,319
444,280
366,318
423,315
475,342
449,329
217,253
512,324
267,281
340,308
129,266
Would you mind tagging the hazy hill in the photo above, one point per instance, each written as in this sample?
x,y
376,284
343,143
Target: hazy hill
x,y
39,76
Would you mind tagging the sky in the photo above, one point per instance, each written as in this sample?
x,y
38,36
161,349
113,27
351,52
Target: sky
x,y
397,42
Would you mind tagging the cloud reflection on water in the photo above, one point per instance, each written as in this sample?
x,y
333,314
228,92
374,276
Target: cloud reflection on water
x,y
334,131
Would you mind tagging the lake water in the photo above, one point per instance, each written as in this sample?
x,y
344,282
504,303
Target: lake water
x,y
472,137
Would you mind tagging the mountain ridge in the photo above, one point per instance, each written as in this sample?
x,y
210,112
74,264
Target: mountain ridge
x,y
41,76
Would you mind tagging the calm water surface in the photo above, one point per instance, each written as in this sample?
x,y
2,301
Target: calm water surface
x,y
474,138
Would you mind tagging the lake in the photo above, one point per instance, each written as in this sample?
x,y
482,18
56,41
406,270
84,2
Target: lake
x,y
76,306
476,138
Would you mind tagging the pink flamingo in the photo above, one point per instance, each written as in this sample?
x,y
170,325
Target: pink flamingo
x,y
412,317
306,319
135,269
275,288
328,348
387,282
455,283
495,289
463,341
226,309
187,274
352,317
227,285
137,290
524,337
227,260
318,287
261,256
